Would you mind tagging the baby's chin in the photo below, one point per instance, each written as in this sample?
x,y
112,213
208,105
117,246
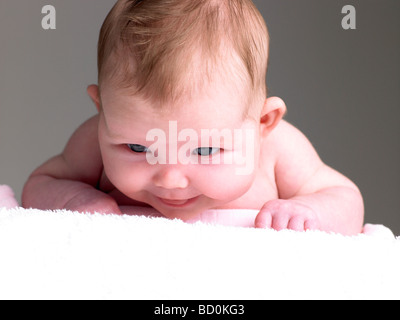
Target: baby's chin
x,y
188,210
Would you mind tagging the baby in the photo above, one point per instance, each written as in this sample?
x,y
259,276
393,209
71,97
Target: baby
x,y
184,126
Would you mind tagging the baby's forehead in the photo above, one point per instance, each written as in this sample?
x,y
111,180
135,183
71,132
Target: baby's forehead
x,y
214,92
216,107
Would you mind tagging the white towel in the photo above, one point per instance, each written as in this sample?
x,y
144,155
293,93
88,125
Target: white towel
x,y
65,255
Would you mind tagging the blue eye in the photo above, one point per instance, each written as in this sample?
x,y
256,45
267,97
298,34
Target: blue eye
x,y
204,152
138,148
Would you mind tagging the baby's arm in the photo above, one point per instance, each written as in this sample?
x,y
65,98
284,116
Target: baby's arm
x,y
68,181
311,194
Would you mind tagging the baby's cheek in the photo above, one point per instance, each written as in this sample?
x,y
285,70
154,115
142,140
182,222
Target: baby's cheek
x,y
126,177
222,182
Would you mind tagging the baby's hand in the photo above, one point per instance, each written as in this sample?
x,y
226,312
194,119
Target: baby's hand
x,y
286,214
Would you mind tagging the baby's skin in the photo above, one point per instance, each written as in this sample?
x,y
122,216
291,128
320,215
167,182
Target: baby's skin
x,y
110,162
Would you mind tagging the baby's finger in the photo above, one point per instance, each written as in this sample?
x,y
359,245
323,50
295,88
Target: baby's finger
x,y
280,221
310,225
296,223
263,220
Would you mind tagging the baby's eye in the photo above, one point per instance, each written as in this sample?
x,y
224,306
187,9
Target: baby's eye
x,y
138,148
206,151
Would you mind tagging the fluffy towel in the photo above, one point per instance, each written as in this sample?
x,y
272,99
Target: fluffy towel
x,y
69,255
66,255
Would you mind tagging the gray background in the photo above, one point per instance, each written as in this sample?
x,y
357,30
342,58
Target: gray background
x,y
341,87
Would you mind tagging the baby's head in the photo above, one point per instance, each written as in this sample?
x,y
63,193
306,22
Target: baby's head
x,y
194,72
164,50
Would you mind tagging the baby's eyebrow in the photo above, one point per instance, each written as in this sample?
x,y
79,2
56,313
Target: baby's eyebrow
x,y
115,135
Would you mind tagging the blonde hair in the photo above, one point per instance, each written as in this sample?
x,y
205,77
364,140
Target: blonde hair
x,y
163,49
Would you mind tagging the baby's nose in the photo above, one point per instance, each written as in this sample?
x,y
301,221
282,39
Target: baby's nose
x,y
170,177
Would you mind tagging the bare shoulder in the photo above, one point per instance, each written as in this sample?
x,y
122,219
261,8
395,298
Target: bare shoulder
x,y
298,167
83,151
81,158
286,140
84,140
296,160
288,134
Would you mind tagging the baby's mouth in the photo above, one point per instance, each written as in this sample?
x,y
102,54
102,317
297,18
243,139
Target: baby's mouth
x,y
178,203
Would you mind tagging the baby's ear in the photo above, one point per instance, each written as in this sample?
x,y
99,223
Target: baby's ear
x,y
94,94
273,111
